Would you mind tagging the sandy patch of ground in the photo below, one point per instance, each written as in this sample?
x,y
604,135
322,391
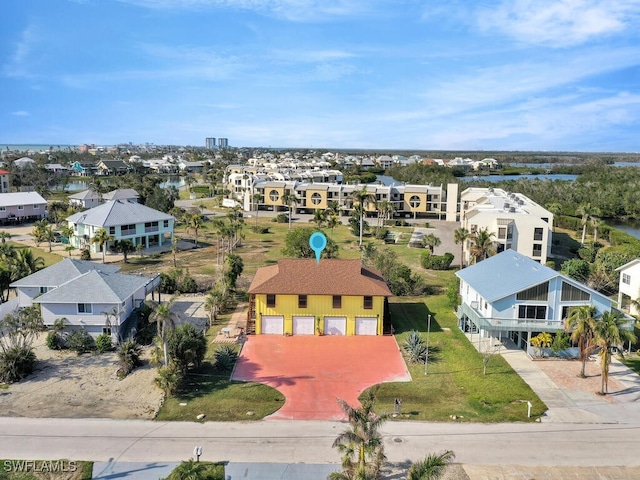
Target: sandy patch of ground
x,y
71,386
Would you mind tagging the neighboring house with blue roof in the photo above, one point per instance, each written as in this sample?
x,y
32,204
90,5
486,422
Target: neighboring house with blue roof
x,y
85,199
122,220
89,295
511,295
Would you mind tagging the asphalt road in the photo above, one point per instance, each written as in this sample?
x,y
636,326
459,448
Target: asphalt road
x,y
279,441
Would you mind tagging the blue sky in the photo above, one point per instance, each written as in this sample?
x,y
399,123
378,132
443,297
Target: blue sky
x,y
384,74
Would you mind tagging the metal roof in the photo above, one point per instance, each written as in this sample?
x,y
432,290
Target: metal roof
x,y
21,198
118,212
62,272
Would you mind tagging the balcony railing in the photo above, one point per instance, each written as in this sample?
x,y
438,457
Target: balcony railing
x,y
509,324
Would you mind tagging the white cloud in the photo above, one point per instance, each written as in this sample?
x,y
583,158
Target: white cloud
x,y
18,65
559,23
294,10
20,113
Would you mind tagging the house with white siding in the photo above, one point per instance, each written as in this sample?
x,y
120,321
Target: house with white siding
x,y
629,286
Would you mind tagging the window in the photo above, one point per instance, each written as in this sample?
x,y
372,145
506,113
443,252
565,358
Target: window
x,y
539,293
302,301
84,308
271,300
3,209
165,224
20,207
502,232
106,330
545,219
573,294
43,289
537,249
532,312
414,201
316,198
128,230
368,302
474,229
626,278
537,234
337,301
274,196
36,207
112,230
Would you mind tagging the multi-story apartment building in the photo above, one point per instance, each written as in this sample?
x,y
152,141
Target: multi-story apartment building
x,y
516,221
223,142
5,184
210,143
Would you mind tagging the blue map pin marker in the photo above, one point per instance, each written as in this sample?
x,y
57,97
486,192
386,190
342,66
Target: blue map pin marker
x,y
318,242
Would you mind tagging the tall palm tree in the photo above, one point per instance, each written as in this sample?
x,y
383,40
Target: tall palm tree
x,y
319,217
610,336
362,197
195,223
125,247
461,235
102,238
25,263
581,324
214,303
290,199
332,222
165,320
588,212
596,223
482,247
432,467
387,209
431,241
361,444
257,198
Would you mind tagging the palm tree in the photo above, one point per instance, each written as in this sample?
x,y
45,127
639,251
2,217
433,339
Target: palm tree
x,y
461,235
319,217
257,198
387,209
214,303
432,467
587,212
332,222
125,247
175,250
25,263
4,236
195,222
610,335
165,320
431,241
290,199
361,444
596,223
362,197
581,324
482,247
102,238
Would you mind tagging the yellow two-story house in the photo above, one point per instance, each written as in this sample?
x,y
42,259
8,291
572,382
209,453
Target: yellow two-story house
x,y
333,297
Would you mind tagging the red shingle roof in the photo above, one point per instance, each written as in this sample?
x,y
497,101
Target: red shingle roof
x,y
329,277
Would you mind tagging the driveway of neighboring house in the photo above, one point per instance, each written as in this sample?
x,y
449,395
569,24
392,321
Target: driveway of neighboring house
x,y
313,372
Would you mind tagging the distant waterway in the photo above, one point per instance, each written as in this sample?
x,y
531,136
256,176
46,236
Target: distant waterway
x,y
632,227
549,166
504,178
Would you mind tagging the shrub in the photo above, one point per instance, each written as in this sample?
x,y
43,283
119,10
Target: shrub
x,y
381,233
225,358
436,262
415,348
104,343
16,363
128,357
85,254
452,292
187,347
561,341
259,229
177,280
80,341
281,218
55,341
168,379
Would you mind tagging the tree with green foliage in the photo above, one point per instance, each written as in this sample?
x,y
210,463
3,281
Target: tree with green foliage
x,y
165,320
587,212
125,247
195,222
187,347
460,236
363,199
609,336
577,269
296,244
581,324
129,353
361,443
168,379
290,200
102,239
17,334
431,242
233,269
482,247
540,342
432,467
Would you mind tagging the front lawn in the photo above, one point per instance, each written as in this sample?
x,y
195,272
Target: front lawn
x,y
455,384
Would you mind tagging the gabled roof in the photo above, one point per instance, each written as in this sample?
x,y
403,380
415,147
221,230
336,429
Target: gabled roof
x,y
628,265
505,274
21,198
95,287
303,276
121,194
62,272
85,195
118,212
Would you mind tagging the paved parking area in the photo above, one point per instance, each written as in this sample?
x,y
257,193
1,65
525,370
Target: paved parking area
x,y
313,372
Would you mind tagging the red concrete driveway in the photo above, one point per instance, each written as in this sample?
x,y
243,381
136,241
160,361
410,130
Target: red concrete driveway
x,y
312,372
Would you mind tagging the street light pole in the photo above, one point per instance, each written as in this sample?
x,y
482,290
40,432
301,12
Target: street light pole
x,y
426,358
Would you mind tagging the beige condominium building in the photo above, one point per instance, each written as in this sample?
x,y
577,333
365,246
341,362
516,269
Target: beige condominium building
x,y
516,221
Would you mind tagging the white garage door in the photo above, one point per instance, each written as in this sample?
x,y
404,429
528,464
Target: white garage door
x,y
273,324
304,325
366,326
335,325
